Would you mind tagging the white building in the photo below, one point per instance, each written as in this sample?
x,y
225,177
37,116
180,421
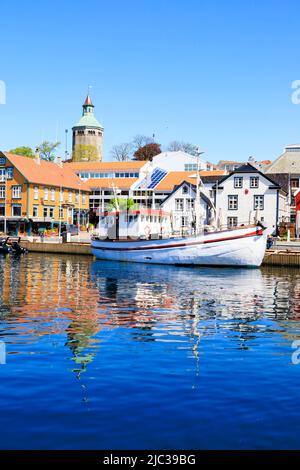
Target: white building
x,y
178,161
181,203
247,195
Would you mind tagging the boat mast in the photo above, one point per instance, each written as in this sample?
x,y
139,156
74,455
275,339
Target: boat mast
x,y
198,194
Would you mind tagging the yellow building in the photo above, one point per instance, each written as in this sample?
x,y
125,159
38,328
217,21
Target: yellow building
x,y
36,194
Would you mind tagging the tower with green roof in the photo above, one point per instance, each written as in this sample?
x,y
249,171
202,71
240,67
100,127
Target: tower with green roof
x,y
87,136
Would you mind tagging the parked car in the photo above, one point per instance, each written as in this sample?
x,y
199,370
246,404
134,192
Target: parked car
x,y
72,229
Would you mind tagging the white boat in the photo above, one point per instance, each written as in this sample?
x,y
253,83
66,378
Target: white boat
x,y
145,236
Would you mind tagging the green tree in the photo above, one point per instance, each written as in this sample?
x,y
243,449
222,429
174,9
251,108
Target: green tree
x,y
47,150
24,151
122,204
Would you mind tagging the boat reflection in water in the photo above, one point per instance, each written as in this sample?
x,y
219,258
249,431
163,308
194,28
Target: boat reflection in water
x,y
185,344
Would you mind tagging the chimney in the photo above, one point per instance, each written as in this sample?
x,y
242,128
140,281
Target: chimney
x,y
37,157
59,162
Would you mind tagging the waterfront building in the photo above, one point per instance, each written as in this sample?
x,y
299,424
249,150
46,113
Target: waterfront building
x,y
87,136
181,204
35,194
286,168
247,195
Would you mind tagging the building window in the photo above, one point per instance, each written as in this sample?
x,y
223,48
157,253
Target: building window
x,y
83,199
2,174
191,167
9,173
45,212
35,211
61,213
254,182
179,204
51,212
185,190
36,193
232,222
70,196
46,191
259,203
16,211
238,182
61,195
52,194
233,203
189,204
16,192
2,210
2,192
77,198
184,221
294,183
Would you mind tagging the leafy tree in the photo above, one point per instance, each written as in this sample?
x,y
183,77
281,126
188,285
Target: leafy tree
x,y
47,150
186,147
122,204
24,151
121,152
147,152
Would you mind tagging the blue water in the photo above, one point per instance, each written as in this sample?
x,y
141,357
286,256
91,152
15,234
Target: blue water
x,y
102,355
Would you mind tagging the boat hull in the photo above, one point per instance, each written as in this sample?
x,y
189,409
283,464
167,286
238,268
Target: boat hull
x,y
243,247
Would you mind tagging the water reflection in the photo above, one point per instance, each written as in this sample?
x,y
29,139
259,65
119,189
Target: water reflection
x,y
82,300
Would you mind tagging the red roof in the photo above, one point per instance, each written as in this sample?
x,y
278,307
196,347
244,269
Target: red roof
x,y
88,101
46,173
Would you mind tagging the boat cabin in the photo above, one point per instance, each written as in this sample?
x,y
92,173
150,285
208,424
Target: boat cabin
x,y
134,224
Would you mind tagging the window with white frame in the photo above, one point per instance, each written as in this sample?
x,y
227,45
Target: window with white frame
x,y
238,182
2,192
45,212
36,193
51,212
232,222
2,174
185,190
46,194
191,167
83,199
77,198
233,203
61,213
52,194
70,196
254,182
35,211
61,195
259,203
16,192
179,204
189,204
9,173
2,210
16,210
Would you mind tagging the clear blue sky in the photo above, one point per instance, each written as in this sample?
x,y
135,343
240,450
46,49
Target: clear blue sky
x,y
213,72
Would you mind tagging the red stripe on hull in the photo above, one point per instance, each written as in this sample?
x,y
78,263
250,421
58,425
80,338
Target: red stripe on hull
x,y
180,245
